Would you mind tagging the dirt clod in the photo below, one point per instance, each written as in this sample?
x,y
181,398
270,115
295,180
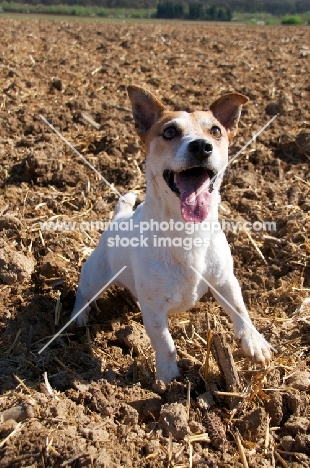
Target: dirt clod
x,y
14,266
53,265
215,429
18,413
302,443
287,443
252,425
300,380
173,419
152,447
7,427
10,223
134,336
205,401
297,425
274,407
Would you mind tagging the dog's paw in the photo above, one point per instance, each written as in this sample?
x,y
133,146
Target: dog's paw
x,y
80,319
126,203
167,372
256,347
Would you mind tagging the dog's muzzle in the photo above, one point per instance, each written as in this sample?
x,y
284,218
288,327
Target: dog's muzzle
x,y
199,151
193,187
194,184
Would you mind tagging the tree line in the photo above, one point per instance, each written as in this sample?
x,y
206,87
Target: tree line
x,y
290,10
192,8
193,11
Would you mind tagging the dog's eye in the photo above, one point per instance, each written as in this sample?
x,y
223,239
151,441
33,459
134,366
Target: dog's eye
x,y
169,133
216,132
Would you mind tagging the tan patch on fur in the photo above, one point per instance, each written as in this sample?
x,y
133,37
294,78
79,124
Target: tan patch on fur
x,y
195,126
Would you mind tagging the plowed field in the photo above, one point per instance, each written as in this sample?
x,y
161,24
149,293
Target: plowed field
x,y
88,399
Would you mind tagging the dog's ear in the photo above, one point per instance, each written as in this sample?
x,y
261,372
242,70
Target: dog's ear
x,y
227,110
146,108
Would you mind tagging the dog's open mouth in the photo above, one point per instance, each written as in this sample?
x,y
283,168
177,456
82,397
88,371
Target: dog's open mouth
x,y
193,187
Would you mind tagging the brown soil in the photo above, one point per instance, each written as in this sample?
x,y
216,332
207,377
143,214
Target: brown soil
x,y
88,399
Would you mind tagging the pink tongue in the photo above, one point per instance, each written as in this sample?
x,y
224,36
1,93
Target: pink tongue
x,y
195,196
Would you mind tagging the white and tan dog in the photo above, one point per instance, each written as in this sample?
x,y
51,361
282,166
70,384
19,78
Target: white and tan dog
x,y
186,157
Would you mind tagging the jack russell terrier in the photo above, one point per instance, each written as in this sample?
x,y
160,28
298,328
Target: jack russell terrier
x,y
186,156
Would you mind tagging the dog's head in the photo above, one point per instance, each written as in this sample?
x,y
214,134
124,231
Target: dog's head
x,y
187,152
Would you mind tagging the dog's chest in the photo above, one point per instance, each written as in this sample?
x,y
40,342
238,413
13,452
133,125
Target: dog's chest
x,y
170,283
183,298
185,289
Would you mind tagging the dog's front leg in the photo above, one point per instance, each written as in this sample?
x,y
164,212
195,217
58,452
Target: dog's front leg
x,y
94,275
228,294
156,326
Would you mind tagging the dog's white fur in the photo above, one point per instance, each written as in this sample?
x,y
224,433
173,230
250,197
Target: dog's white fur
x,y
161,278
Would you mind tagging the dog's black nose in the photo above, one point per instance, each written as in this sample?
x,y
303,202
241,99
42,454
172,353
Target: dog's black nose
x,y
200,148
